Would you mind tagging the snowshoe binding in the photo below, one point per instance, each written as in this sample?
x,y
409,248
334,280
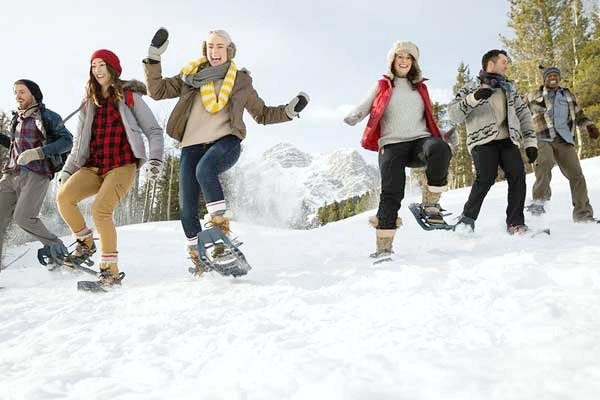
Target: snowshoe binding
x,y
225,255
430,217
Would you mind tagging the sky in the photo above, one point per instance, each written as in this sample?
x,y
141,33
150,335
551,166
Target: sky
x,y
332,49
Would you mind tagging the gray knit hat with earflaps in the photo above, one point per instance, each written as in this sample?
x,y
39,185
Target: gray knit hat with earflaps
x,y
407,47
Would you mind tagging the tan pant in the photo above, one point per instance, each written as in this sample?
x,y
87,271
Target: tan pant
x,y
564,154
109,188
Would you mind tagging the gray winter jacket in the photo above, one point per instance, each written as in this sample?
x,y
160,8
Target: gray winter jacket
x,y
481,121
138,121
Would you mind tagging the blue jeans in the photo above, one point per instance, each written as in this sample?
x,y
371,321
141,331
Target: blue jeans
x,y
199,169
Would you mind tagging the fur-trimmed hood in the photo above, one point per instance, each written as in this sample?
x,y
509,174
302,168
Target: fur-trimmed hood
x,y
135,86
410,48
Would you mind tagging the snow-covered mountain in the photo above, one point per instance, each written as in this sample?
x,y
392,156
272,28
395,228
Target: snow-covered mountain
x,y
454,316
285,186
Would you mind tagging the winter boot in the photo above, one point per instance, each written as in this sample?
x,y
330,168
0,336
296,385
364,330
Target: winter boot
x,y
430,205
517,229
194,255
465,224
109,271
384,241
85,248
536,208
384,237
220,221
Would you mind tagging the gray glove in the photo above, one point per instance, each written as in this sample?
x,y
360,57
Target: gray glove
x,y
159,44
62,177
353,119
296,105
152,169
30,155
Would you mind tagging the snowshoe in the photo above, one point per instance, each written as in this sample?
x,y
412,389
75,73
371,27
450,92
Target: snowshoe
x,y
106,280
226,258
54,262
536,209
429,220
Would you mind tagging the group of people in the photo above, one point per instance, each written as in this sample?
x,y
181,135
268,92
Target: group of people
x,y
207,120
401,128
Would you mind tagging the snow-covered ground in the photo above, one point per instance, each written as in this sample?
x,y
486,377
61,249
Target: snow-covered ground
x,y
482,316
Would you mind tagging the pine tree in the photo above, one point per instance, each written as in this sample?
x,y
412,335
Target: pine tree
x,y
461,164
536,26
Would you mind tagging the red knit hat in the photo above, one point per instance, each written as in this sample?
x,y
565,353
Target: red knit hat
x,y
109,57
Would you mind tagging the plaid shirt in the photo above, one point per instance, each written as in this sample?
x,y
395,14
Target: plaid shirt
x,y
109,146
28,135
542,109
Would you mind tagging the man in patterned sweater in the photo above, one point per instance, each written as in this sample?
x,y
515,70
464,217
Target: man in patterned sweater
x,y
556,115
497,121
37,139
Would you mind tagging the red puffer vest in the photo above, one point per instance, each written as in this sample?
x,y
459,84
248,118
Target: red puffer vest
x,y
372,132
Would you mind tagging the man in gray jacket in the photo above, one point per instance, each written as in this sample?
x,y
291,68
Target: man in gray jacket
x,y
497,121
36,141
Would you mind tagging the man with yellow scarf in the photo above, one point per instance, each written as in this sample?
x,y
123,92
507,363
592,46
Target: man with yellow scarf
x,y
208,121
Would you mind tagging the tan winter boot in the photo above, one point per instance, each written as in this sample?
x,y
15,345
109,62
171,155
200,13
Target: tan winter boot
x,y
384,241
85,247
220,221
109,271
430,204
194,255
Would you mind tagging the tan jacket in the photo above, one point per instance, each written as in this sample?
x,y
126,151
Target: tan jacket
x,y
242,97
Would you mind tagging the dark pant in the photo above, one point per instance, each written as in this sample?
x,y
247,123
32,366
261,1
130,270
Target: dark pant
x,y
199,169
487,158
431,152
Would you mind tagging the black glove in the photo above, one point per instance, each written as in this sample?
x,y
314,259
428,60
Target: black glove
x,y
483,93
160,37
302,102
532,154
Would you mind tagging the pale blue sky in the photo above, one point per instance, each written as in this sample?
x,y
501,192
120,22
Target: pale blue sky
x,y
334,50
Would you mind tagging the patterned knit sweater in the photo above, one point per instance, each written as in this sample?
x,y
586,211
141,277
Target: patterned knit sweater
x,y
480,118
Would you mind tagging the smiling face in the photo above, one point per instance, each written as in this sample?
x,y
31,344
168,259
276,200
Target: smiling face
x,y
100,72
552,80
402,64
23,97
216,50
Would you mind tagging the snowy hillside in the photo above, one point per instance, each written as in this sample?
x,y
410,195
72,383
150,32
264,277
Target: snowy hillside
x,y
285,186
482,316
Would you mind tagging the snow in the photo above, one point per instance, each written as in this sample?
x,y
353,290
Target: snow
x,y
481,316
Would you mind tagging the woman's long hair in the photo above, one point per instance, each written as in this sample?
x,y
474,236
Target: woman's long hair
x,y
93,90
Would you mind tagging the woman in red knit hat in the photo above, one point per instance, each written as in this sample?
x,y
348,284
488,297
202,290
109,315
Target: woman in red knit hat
x,y
107,151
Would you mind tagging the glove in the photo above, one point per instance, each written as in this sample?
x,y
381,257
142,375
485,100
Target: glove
x,y
532,154
152,169
296,105
159,44
62,177
593,131
483,93
30,155
352,119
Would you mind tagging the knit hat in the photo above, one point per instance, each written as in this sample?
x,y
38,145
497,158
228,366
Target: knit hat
x,y
109,57
33,88
550,70
407,47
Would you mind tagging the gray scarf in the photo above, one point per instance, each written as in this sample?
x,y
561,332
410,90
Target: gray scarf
x,y
206,74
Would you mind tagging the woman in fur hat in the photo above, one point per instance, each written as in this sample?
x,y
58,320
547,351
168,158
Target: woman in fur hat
x,y
208,121
107,151
402,129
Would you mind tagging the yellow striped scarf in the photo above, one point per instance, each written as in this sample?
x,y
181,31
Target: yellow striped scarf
x,y
207,90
